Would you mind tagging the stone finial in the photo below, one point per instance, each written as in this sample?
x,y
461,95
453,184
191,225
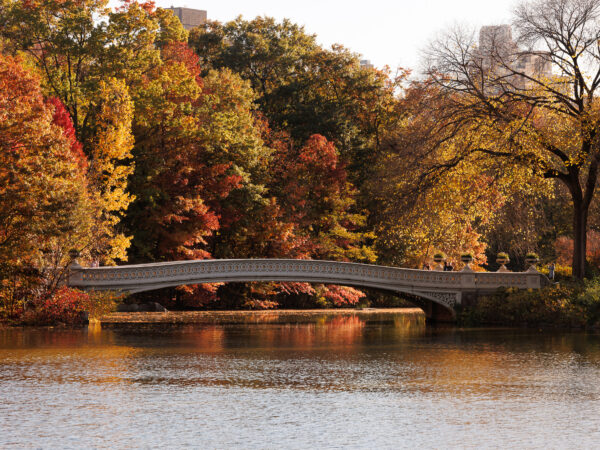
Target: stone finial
x,y
503,259
74,255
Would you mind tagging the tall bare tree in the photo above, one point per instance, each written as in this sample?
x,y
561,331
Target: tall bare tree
x,y
531,100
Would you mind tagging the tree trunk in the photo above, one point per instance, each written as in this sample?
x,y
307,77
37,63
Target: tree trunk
x,y
580,218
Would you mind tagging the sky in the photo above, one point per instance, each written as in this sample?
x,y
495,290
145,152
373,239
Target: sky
x,y
386,32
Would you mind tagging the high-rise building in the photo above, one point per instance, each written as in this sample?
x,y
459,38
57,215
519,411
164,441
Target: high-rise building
x,y
499,53
190,18
366,64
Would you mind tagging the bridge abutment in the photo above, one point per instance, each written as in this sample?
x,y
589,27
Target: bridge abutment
x,y
436,313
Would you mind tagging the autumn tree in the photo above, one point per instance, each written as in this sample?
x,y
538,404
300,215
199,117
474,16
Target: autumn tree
x,y
430,196
415,214
45,207
201,167
504,97
110,167
178,187
315,191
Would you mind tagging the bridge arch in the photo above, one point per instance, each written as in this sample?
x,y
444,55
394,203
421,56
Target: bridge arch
x,y
444,289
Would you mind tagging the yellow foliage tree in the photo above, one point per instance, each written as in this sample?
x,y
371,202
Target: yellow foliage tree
x,y
430,193
110,167
531,102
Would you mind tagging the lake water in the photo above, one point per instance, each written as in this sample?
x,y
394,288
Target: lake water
x,y
336,382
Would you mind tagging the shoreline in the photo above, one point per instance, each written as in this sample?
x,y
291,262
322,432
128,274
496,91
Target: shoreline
x,y
248,317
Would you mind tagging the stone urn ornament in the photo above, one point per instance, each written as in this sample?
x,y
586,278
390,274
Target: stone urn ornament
x,y
502,259
438,258
74,255
467,259
531,259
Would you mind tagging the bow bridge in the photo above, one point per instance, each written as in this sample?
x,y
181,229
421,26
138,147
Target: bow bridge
x,y
440,293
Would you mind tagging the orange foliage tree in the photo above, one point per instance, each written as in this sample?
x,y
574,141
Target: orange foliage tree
x,y
45,206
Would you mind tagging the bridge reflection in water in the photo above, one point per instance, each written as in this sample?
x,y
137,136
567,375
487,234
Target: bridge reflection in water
x,y
441,293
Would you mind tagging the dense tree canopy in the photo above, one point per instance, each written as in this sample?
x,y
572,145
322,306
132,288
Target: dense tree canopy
x,y
303,88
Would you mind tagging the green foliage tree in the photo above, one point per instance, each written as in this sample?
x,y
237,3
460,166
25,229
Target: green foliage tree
x,y
302,88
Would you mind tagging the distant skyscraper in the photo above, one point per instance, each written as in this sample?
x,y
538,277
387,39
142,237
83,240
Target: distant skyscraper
x,y
190,18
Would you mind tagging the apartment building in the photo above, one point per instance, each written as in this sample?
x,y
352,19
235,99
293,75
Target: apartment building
x,y
190,18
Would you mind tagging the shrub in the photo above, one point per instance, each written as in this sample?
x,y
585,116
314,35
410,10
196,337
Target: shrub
x,y
589,300
566,305
562,272
70,307
66,306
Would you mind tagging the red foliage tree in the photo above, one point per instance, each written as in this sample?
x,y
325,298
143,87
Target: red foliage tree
x,y
318,200
62,118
